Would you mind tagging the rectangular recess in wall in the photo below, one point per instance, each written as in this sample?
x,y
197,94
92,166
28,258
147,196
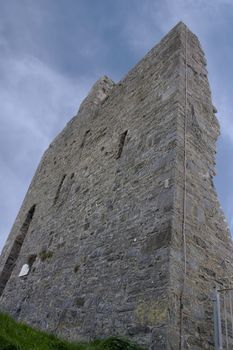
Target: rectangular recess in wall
x,y
15,250
121,143
59,189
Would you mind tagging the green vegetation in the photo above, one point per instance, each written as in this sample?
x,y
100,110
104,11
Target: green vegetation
x,y
17,336
44,255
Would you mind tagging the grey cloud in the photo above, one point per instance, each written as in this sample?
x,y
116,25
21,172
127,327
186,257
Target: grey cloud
x,y
36,104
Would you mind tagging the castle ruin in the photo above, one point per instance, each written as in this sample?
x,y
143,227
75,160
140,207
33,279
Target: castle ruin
x,y
121,232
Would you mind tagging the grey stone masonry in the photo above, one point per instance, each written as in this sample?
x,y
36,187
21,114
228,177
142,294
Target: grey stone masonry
x,y
121,229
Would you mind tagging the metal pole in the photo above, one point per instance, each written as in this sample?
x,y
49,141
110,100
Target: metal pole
x,y
225,318
230,296
217,323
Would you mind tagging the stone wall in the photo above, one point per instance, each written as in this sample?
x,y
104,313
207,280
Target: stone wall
x,y
105,244
205,242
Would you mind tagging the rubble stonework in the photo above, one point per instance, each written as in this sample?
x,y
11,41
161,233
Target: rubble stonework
x,y
121,228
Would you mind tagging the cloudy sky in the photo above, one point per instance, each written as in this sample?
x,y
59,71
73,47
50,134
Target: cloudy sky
x,y
52,51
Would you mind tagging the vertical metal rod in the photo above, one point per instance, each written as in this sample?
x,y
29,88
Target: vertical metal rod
x,y
181,345
225,319
230,298
217,323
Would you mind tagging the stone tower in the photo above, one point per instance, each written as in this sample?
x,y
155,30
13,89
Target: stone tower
x,y
121,232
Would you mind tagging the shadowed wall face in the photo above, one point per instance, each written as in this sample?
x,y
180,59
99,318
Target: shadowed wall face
x,y
201,247
15,250
106,236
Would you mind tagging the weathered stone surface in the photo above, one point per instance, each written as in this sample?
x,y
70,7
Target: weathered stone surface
x,y
103,215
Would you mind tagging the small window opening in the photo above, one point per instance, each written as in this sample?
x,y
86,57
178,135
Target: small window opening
x,y
59,189
121,144
15,250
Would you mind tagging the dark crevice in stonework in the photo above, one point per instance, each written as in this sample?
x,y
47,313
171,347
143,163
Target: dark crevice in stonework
x,y
84,138
59,189
15,250
31,260
195,124
121,144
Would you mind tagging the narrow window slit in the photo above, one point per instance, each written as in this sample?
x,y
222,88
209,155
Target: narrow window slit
x,y
121,143
15,250
59,189
84,138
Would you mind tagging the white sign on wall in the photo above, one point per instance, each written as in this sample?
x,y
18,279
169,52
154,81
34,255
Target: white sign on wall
x,y
24,271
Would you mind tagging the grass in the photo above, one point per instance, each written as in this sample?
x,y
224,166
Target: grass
x,y
44,255
18,336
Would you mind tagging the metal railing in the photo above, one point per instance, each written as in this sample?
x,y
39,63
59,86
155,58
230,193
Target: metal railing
x,y
223,319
